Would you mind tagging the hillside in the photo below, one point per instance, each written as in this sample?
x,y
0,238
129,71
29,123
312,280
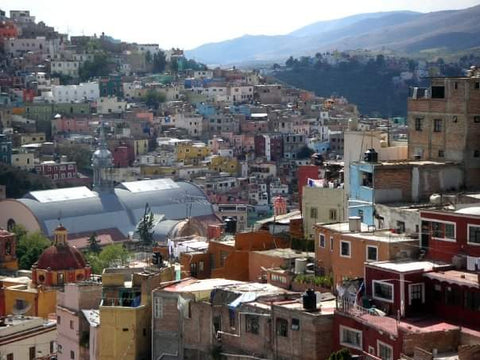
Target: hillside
x,y
401,31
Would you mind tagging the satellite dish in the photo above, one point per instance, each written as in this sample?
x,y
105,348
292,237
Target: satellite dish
x,y
21,307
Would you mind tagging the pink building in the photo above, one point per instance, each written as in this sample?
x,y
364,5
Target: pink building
x,y
70,125
77,309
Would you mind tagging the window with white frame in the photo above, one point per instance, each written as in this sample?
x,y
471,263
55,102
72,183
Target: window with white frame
x,y
416,292
372,253
350,337
384,351
157,307
474,234
345,248
321,240
382,290
443,230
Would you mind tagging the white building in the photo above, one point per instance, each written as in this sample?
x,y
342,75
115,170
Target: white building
x,y
17,47
111,105
27,337
190,122
74,93
65,67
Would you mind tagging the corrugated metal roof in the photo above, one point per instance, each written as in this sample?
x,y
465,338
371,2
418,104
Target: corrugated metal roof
x,y
121,209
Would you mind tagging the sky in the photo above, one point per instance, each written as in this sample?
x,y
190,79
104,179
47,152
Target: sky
x,y
190,23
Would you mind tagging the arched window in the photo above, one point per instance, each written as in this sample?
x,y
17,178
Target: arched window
x,y
10,224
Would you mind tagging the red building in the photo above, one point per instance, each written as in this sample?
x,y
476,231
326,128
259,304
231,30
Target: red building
x,y
269,144
447,234
8,30
396,315
57,171
121,156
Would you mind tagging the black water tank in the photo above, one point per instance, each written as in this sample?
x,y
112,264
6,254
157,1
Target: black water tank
x,y
370,156
309,300
230,225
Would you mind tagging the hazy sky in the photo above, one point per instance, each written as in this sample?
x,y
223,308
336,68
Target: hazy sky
x,y
190,23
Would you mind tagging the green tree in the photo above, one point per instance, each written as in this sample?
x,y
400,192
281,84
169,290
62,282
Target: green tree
x,y
29,246
304,153
94,244
342,354
80,153
19,182
145,226
159,62
100,66
109,256
154,98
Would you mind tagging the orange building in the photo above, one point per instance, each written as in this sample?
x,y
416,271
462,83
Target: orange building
x,y
230,255
344,248
8,30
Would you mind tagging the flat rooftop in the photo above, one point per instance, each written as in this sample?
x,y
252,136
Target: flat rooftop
x,y
456,277
366,233
407,266
284,253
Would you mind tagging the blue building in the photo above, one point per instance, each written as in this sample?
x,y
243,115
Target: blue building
x,y
5,149
362,196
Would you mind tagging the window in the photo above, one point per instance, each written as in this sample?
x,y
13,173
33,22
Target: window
x,y
372,253
282,327
443,231
367,179
331,243
321,241
31,353
441,153
476,119
476,153
332,214
350,337
71,324
59,319
157,307
438,92
360,215
52,347
201,266
345,248
453,297
400,227
472,300
384,351
252,324
474,234
382,290
416,293
418,124
10,356
313,213
72,354
295,324
437,125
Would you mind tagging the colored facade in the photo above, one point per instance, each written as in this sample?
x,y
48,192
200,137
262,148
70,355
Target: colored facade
x,y
57,171
444,123
374,182
342,251
8,255
446,235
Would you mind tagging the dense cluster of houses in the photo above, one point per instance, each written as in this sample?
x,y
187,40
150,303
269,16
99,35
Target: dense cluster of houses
x,y
286,225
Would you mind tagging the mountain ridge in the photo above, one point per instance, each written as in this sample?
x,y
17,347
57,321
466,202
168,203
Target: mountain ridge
x,y
398,31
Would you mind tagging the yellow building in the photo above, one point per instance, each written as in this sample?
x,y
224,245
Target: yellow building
x,y
33,138
192,153
23,160
126,312
156,170
224,164
21,296
140,146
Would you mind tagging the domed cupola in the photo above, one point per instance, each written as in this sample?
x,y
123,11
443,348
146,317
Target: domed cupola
x,y
60,263
102,163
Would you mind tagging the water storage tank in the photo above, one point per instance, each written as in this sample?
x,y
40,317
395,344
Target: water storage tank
x,y
370,156
300,265
355,223
309,300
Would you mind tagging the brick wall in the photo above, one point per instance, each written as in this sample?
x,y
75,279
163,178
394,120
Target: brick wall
x,y
443,341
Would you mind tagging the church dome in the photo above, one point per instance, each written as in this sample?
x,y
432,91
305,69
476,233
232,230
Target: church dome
x,y
102,158
61,257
